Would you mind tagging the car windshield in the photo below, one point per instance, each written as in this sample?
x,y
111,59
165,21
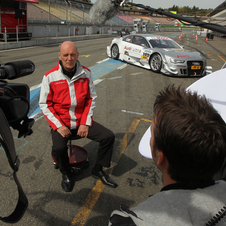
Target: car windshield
x,y
164,43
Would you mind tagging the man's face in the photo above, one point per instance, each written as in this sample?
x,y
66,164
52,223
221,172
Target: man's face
x,y
68,55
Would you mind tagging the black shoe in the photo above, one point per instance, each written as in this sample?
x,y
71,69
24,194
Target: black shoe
x,y
104,178
66,183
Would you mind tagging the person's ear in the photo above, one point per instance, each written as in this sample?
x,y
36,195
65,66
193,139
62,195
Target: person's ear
x,y
161,158
59,56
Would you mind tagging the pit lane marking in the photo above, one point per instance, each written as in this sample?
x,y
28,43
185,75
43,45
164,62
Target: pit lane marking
x,y
222,58
84,56
132,112
87,207
99,62
122,67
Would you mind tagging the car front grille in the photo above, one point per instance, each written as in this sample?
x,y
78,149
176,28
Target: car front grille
x,y
194,68
183,71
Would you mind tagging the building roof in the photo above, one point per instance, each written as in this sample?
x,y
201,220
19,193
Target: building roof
x,y
28,1
219,10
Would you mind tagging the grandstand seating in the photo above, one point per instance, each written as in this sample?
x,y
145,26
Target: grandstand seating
x,y
74,14
126,18
58,11
80,13
37,14
118,20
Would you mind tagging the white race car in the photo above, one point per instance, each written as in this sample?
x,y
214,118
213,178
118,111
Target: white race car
x,y
158,53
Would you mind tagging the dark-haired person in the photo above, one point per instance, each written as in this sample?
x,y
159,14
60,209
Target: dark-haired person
x,y
67,100
187,142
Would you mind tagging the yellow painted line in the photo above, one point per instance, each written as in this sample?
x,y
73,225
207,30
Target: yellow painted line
x,y
84,212
222,58
146,120
214,59
84,55
128,135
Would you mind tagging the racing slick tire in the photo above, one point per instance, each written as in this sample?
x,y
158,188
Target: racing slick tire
x,y
115,52
156,62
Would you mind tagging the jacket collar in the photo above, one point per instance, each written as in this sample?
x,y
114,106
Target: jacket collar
x,y
185,187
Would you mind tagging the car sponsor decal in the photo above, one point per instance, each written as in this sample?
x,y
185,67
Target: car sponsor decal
x,y
195,66
159,38
181,56
179,51
128,40
136,50
145,56
132,49
148,51
128,48
162,38
195,63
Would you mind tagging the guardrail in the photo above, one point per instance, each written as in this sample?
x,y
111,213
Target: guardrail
x,y
16,33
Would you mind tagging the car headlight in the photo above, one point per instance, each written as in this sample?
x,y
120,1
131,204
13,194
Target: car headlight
x,y
175,61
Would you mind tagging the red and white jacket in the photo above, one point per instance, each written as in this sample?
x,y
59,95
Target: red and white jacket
x,y
65,101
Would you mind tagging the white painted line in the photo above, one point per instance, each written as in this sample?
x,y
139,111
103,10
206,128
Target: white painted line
x,y
37,116
114,78
131,112
137,73
9,50
102,61
35,87
123,66
97,81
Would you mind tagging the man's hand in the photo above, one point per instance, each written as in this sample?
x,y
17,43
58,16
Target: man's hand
x,y
64,131
83,130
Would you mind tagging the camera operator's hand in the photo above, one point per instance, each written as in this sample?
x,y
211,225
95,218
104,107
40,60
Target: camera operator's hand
x,y
64,131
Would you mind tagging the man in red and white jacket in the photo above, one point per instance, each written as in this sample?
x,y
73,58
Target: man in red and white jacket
x,y
67,101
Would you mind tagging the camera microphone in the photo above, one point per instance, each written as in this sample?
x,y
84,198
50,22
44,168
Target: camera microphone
x,y
103,10
17,69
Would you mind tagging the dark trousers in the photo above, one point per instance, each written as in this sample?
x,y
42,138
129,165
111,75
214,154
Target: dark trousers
x,y
97,132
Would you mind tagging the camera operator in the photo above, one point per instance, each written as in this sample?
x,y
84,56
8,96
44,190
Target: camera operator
x,y
188,145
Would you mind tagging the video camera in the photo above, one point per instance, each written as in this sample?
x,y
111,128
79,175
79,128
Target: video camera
x,y
15,97
14,108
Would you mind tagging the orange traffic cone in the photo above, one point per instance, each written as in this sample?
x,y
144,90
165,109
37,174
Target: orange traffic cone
x,y
196,38
179,37
206,38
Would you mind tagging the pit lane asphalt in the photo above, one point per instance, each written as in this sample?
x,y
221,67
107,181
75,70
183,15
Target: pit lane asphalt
x,y
90,203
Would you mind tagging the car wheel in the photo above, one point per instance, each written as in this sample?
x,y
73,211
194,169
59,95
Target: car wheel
x,y
114,52
156,62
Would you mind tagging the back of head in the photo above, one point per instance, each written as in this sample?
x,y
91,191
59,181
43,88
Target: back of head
x,y
191,134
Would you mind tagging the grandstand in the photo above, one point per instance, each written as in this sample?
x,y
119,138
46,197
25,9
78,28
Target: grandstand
x,y
58,12
75,12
